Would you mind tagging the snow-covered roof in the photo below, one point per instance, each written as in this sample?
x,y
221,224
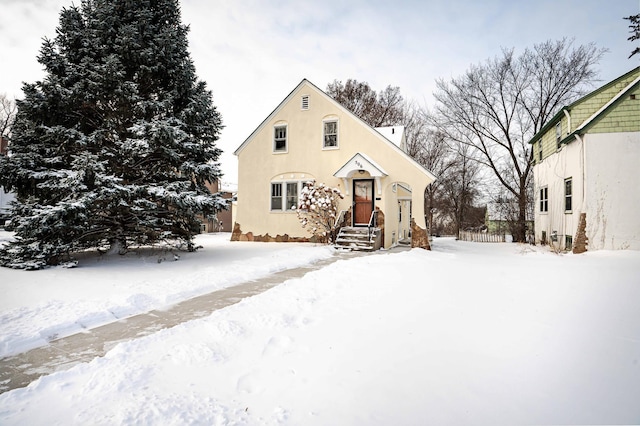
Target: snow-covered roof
x,y
393,133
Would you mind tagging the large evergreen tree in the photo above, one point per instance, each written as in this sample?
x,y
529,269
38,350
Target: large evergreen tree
x,y
114,146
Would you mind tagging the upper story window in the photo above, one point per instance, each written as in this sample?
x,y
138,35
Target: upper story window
x,y
567,195
330,134
540,150
280,139
305,102
544,199
558,134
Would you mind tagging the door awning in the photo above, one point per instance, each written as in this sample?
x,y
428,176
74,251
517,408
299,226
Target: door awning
x,y
357,163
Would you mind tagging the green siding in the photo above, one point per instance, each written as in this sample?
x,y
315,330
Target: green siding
x,y
623,116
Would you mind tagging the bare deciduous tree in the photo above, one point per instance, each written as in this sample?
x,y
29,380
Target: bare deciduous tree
x,y
497,107
8,111
376,109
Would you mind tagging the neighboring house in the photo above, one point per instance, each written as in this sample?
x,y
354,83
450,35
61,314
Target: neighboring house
x,y
587,174
223,219
502,214
5,198
311,137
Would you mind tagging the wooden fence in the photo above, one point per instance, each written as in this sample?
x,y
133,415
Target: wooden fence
x,y
481,237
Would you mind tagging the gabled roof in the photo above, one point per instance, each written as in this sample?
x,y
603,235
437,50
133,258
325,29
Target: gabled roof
x,y
360,161
373,131
583,126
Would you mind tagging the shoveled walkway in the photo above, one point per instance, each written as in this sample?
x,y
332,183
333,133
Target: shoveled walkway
x,y
20,370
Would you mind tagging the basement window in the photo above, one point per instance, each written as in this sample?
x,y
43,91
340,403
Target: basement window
x,y
568,242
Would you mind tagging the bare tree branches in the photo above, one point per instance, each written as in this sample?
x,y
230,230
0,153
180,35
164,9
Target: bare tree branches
x,y
376,109
8,111
496,107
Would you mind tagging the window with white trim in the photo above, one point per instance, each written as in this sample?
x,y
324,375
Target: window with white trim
x,y
305,102
567,195
280,139
284,195
540,150
544,199
330,134
558,134
276,196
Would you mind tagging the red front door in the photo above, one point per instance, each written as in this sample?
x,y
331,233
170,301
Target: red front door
x,y
362,201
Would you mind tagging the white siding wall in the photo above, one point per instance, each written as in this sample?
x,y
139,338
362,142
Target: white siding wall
x,y
567,163
613,191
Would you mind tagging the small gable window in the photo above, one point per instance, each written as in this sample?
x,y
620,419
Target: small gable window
x,y
305,102
330,134
558,134
280,139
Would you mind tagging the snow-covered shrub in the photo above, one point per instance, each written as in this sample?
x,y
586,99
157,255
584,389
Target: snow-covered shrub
x,y
317,210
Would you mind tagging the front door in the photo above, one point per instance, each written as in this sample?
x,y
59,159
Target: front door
x,y
362,201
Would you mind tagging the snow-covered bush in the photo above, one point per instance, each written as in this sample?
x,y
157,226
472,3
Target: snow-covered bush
x,y
317,210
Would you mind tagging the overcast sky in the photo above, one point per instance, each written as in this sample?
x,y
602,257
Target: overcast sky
x,y
252,53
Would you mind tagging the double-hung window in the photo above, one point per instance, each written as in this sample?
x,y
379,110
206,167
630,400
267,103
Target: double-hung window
x,y
567,195
330,134
276,196
544,199
280,139
284,196
540,150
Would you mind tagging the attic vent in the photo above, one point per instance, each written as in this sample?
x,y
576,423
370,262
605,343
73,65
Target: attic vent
x,y
305,101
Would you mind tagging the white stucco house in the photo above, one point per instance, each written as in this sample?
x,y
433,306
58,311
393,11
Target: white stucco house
x,y
587,174
311,137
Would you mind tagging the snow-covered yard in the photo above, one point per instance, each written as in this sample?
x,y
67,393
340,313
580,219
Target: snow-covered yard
x,y
468,333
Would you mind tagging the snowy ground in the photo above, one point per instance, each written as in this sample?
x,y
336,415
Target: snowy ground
x,y
468,333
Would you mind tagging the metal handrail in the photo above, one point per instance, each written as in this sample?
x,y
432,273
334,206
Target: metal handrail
x,y
340,219
373,223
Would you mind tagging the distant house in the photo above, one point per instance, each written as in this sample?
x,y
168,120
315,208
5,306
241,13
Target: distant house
x,y
223,219
311,137
502,215
587,174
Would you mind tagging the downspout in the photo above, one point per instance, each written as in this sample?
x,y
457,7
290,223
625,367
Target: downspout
x,y
583,160
566,113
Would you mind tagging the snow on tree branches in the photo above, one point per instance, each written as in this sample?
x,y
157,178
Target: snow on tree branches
x,y
116,145
317,210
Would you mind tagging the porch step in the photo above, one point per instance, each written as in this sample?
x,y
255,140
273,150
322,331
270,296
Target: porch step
x,y
359,238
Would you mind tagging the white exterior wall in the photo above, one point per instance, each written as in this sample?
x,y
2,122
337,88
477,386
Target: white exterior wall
x,y
306,159
609,166
552,172
613,191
